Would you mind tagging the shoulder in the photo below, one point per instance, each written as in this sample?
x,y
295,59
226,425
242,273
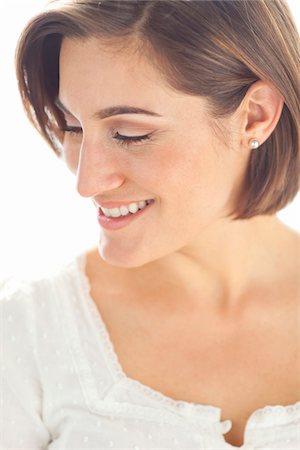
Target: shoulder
x,y
16,299
31,322
290,257
21,297
285,282
20,293
19,301
17,304
20,383
30,306
285,250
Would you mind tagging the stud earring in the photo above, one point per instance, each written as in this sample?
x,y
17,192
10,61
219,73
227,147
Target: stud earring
x,y
254,143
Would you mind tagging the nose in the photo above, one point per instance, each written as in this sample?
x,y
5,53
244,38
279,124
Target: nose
x,y
98,170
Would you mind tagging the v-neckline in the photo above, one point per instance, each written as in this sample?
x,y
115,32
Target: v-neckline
x,y
259,416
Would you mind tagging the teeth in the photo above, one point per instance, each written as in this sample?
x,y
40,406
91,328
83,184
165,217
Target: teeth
x,y
125,210
105,211
133,207
115,212
142,204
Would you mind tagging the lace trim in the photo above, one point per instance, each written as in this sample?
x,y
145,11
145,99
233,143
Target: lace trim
x,y
147,413
187,408
276,414
110,356
82,367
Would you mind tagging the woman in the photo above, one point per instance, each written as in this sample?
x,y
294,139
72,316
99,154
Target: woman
x,y
180,120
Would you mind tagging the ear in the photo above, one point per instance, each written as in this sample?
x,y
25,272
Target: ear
x,y
261,110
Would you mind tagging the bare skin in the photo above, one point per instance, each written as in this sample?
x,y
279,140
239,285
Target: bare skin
x,y
225,294
240,358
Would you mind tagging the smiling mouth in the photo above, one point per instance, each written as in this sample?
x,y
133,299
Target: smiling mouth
x,y
125,210
114,223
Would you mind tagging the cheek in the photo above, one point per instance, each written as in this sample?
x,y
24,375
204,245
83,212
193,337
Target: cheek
x,y
178,167
198,177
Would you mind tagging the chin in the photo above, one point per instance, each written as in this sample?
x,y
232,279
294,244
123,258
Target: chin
x,y
121,257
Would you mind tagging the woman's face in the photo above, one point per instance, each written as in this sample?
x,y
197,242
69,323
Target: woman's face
x,y
181,164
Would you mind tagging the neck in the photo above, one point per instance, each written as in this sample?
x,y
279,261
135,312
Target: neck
x,y
227,261
228,264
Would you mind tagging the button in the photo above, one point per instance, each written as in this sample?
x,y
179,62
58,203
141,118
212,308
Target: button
x,y
226,426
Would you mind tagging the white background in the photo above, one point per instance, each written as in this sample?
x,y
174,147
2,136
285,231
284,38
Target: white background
x,y
44,221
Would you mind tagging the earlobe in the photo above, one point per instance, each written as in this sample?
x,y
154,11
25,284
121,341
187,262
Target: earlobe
x,y
254,143
262,106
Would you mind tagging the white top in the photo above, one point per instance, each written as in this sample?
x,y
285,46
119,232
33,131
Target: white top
x,y
63,387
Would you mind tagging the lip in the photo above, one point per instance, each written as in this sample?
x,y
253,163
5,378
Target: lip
x,y
115,223
120,203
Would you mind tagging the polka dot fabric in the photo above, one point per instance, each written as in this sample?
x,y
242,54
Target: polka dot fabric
x,y
63,388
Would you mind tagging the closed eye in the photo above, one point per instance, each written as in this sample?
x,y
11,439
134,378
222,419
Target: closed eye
x,y
121,139
126,140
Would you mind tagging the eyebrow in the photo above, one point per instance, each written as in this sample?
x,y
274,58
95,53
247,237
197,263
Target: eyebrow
x,y
111,111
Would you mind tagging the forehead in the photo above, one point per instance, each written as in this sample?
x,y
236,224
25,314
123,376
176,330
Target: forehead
x,y
95,75
89,65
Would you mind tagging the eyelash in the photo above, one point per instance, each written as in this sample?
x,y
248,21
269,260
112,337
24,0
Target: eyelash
x,y
121,140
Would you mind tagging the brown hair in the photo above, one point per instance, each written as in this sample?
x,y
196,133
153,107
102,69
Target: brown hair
x,y
214,49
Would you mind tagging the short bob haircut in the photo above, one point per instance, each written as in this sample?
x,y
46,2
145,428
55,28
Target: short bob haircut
x,y
213,49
